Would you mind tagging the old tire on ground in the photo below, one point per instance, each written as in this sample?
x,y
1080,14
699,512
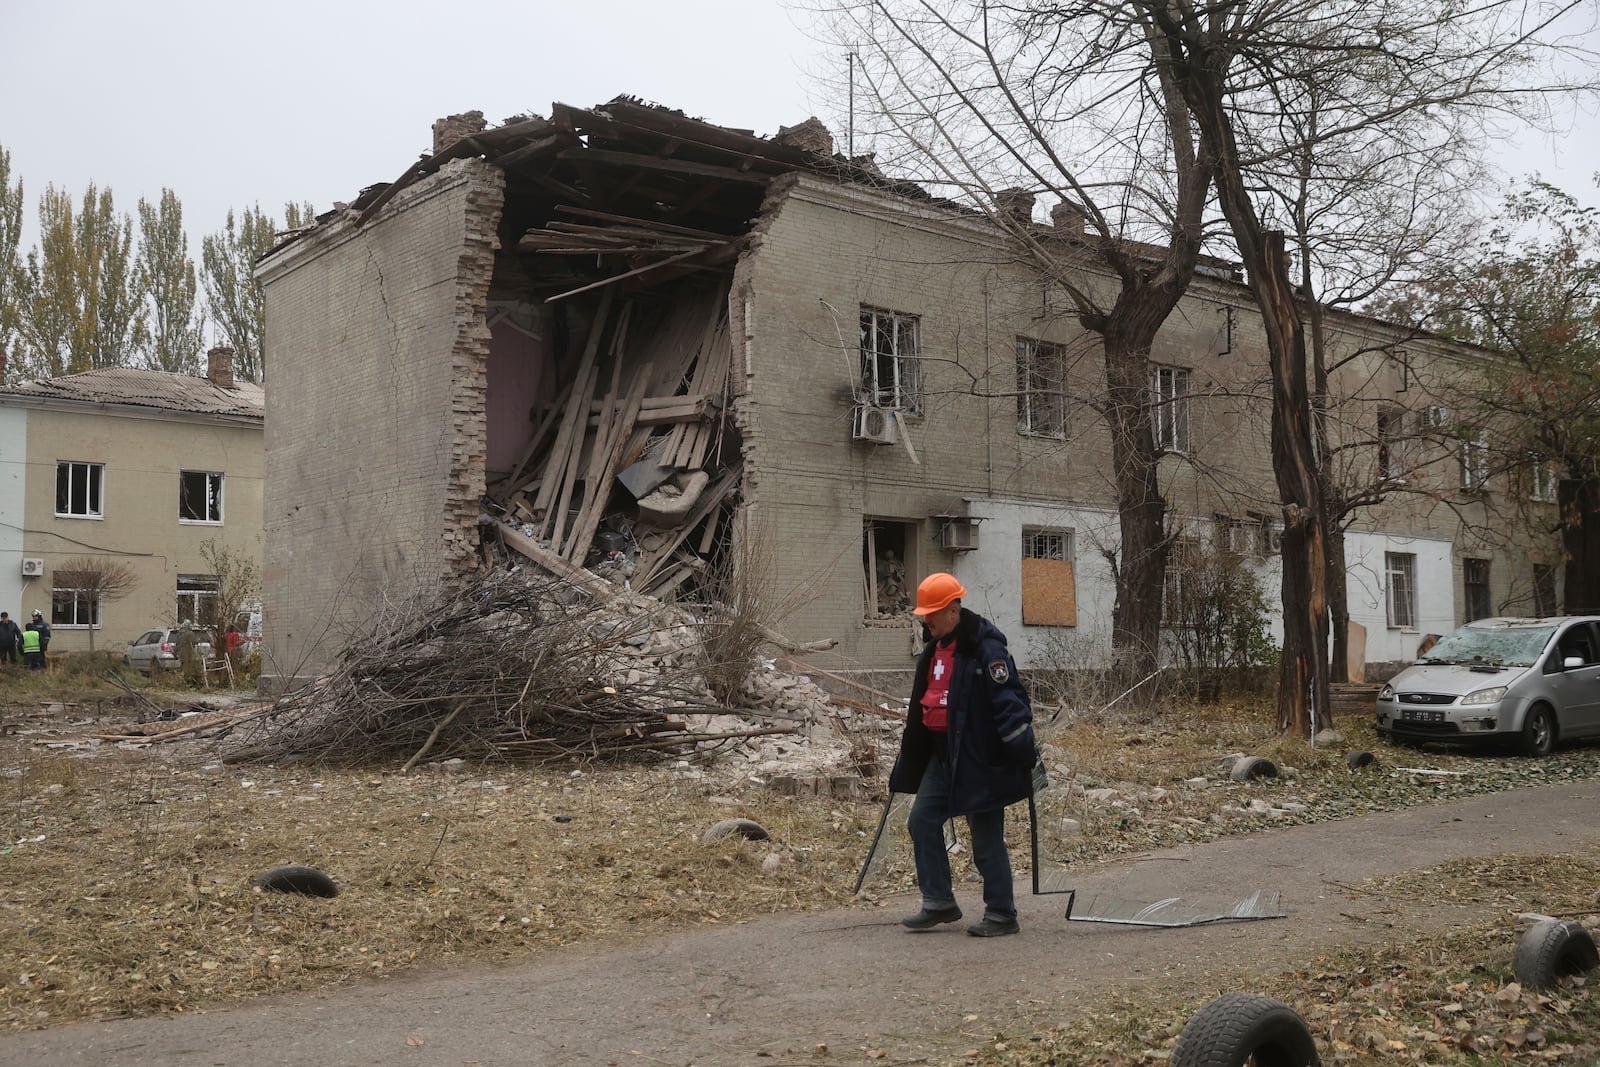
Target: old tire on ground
x,y
1239,1028
1357,760
1538,731
294,878
1552,949
748,829
1249,768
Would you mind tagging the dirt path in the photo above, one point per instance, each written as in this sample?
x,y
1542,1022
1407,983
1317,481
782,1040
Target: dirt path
x,y
769,991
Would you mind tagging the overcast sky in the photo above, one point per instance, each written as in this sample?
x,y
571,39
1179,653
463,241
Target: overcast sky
x,y
231,105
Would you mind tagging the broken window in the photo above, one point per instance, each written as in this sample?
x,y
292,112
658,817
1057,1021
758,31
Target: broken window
x,y
1401,570
891,360
199,496
1544,479
1179,579
1169,410
78,489
1392,461
1475,461
1041,388
72,606
1475,586
197,598
886,556
1049,591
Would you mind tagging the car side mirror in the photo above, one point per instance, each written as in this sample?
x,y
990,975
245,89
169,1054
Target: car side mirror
x,y
1571,662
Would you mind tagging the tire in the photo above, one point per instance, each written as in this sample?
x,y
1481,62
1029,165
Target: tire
x,y
1239,1028
1357,760
293,878
1249,768
748,829
1538,732
1551,949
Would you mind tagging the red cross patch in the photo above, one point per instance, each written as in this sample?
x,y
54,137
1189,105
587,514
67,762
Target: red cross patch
x,y
999,672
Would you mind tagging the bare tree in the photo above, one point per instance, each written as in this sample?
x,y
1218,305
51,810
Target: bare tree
x,y
93,581
1000,101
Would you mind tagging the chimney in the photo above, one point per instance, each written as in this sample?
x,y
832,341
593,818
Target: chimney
x,y
452,128
219,366
1015,204
1068,218
810,135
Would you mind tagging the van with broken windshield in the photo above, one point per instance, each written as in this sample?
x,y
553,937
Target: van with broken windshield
x,y
1527,682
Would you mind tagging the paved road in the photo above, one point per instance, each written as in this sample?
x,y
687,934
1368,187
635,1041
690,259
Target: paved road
x,y
769,991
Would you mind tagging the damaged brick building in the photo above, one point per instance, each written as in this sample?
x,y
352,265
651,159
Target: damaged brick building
x,y
631,340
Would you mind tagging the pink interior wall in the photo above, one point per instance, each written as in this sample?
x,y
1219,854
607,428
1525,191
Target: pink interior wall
x,y
520,378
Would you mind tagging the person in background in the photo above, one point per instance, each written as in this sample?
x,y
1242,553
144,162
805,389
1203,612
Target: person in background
x,y
10,638
44,630
32,647
968,749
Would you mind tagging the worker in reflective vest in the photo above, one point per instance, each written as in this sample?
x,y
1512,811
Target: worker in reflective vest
x,y
32,648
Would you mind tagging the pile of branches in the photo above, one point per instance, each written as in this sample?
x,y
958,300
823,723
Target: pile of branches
x,y
518,665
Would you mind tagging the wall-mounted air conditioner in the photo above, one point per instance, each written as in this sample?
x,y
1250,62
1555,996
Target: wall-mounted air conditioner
x,y
873,424
958,533
33,568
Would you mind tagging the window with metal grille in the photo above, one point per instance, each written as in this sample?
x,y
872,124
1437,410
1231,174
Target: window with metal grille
x,y
1041,388
1475,586
1049,586
891,359
78,490
1401,571
1169,408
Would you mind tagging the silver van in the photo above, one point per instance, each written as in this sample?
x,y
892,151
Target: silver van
x,y
1531,681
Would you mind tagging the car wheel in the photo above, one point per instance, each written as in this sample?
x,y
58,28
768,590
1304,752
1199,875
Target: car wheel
x,y
1538,731
1239,1028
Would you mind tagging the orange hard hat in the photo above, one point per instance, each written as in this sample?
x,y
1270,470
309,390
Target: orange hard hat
x,y
936,592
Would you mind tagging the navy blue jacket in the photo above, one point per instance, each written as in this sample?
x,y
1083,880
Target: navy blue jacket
x,y
990,741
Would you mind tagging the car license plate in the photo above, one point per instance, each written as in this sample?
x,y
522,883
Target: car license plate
x,y
1421,715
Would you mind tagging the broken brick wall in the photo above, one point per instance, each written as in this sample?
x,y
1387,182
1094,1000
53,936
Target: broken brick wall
x,y
375,438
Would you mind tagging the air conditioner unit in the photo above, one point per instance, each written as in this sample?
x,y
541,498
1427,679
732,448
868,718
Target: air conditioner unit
x,y
32,568
1241,539
873,424
958,533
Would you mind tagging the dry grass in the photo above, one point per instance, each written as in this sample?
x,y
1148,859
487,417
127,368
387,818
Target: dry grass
x,y
125,875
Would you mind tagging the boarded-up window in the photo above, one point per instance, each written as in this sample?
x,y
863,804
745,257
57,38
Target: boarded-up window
x,y
1049,592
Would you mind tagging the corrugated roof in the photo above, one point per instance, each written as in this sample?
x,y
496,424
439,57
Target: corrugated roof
x,y
160,390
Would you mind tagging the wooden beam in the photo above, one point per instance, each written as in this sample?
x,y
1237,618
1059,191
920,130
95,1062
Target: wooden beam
x,y
606,158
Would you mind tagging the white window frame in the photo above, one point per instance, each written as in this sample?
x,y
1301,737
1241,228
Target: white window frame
x,y
1169,408
94,489
1400,590
1041,388
1392,460
81,599
1545,480
202,588
213,501
891,373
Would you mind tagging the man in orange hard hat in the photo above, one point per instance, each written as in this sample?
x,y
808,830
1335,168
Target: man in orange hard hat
x,y
968,749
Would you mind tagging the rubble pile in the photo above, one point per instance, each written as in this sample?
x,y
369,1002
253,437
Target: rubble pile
x,y
525,666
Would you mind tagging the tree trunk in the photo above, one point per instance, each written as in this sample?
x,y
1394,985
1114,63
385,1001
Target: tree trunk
x,y
1580,541
1141,510
1338,608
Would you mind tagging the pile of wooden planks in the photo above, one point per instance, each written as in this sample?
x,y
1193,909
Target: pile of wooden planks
x,y
650,387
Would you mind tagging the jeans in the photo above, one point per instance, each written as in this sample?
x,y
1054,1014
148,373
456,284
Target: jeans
x,y
929,812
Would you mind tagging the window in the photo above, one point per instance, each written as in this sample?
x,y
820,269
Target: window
x,y
891,360
1401,569
1041,388
73,607
887,566
1392,462
1544,590
1170,408
1049,588
199,496
1475,461
1178,582
78,490
197,598
1475,586
1544,480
